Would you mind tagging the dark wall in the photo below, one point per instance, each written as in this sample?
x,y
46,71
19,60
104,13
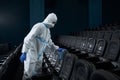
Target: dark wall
x,y
14,20
111,13
72,15
18,16
36,11
95,13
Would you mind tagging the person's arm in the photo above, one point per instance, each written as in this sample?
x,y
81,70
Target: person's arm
x,y
53,45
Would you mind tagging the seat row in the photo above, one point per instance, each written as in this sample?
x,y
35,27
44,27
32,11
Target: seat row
x,y
84,58
93,54
8,63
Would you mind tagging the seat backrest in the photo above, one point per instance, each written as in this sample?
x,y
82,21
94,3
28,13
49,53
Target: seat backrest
x,y
103,75
100,35
94,34
84,34
59,59
116,35
82,70
67,66
91,45
89,34
107,35
78,42
112,50
68,40
100,47
73,42
83,46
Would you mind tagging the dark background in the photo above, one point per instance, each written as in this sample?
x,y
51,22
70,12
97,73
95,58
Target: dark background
x,y
18,16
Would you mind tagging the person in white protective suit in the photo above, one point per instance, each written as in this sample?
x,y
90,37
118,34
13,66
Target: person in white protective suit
x,y
35,44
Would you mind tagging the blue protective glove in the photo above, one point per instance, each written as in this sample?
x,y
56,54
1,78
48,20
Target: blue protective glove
x,y
60,53
23,57
61,49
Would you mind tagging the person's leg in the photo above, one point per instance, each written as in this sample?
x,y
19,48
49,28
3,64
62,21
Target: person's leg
x,y
26,77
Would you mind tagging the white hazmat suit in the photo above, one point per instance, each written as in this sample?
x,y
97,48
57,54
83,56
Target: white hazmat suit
x,y
35,44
